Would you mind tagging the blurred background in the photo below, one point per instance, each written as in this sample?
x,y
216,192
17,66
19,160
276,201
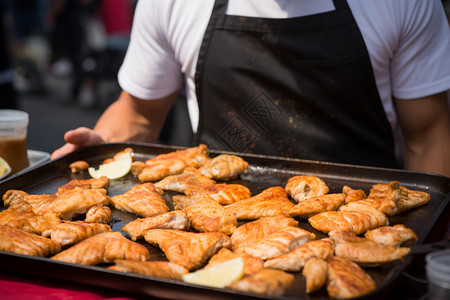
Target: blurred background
x,y
59,61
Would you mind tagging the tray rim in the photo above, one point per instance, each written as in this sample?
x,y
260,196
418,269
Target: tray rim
x,y
218,292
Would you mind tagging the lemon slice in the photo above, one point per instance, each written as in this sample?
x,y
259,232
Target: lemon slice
x,y
220,275
5,168
116,169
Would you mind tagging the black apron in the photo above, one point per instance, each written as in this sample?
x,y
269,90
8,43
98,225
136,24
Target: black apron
x,y
300,87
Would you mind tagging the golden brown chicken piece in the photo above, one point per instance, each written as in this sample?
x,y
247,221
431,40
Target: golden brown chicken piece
x,y
21,242
295,260
393,199
188,249
137,167
78,166
72,232
346,279
353,221
412,199
92,183
303,187
280,242
23,217
223,193
364,251
253,232
269,203
20,198
170,220
224,167
206,215
190,178
353,194
143,200
315,272
391,235
99,214
162,269
71,203
265,282
315,205
252,264
103,248
124,151
173,163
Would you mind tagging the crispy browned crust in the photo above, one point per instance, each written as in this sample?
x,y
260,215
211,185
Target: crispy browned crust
x,y
346,279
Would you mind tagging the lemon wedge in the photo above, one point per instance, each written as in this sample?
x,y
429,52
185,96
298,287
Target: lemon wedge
x,y
220,275
5,168
118,168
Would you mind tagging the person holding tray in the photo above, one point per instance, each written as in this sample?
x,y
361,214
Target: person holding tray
x,y
341,81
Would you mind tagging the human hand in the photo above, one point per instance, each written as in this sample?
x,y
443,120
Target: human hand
x,y
77,138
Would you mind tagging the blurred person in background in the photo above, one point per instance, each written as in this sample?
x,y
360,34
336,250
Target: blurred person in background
x,y
68,39
109,41
28,23
321,80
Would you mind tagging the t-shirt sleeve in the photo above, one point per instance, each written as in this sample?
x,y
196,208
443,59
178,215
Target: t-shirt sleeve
x,y
421,63
150,70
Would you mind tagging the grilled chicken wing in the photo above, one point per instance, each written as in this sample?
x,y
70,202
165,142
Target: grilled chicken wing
x,y
170,220
99,214
346,279
18,198
270,202
391,235
162,269
190,178
223,193
295,260
303,187
173,163
315,272
71,203
72,232
253,232
188,249
280,242
364,251
393,198
143,200
252,264
266,282
353,221
315,205
412,200
353,194
21,242
23,217
224,167
206,215
103,248
92,183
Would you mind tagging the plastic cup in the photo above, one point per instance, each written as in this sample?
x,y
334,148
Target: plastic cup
x,y
13,136
438,275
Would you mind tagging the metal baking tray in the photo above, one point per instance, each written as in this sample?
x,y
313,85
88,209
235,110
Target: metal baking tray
x,y
264,172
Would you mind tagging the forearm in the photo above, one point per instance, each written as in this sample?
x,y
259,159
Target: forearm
x,y
426,130
432,156
132,119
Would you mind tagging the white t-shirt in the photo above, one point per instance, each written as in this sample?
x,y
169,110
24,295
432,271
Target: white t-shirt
x,y
408,42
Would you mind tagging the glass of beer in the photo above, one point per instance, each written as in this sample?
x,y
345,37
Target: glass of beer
x,y
13,138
